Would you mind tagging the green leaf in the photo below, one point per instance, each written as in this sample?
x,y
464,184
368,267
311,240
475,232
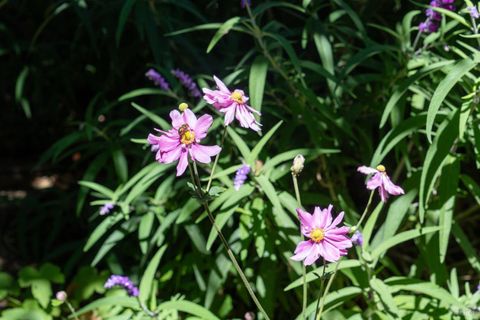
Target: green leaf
x,y
313,275
401,237
127,302
256,81
149,274
162,123
97,187
261,144
100,230
120,164
435,158
466,246
453,15
404,86
441,92
223,30
188,307
241,145
19,96
370,224
385,296
144,229
126,9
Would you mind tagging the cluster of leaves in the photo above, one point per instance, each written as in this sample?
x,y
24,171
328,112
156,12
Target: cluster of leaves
x,y
336,83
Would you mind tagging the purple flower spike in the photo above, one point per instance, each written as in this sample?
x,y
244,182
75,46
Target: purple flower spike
x,y
106,208
432,23
187,82
122,281
157,79
241,176
357,238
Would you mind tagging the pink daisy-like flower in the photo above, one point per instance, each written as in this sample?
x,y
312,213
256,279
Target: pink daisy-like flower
x,y
326,239
184,140
382,181
233,104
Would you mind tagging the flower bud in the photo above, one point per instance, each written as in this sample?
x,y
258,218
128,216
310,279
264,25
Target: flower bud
x,y
61,296
298,163
182,106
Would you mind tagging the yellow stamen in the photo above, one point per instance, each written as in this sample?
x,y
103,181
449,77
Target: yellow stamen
x,y
188,137
237,97
317,235
381,168
182,106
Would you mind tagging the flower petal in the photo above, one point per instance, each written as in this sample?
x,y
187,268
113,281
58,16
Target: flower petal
x,y
190,118
366,170
314,255
306,221
375,181
303,250
337,220
183,163
171,156
221,85
177,119
332,253
390,187
203,124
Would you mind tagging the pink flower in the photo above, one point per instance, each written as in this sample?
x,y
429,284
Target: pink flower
x,y
326,239
233,104
381,181
183,140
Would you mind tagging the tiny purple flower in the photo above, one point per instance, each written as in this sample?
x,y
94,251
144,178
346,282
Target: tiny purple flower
x,y
157,79
187,82
473,12
241,176
478,288
124,282
357,238
244,3
106,208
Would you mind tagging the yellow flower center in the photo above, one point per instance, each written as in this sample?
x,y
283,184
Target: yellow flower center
x,y
186,135
381,168
182,106
237,97
317,235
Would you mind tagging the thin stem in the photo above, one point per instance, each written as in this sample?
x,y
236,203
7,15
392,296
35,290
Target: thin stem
x,y
329,283
196,181
304,269
216,158
322,284
366,210
72,310
475,29
415,42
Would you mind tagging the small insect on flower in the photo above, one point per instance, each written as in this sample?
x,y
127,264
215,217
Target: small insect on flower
x,y
233,104
183,140
124,282
382,181
325,238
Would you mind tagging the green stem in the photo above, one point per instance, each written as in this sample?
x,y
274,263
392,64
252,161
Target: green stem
x,y
322,284
196,181
329,283
149,313
359,223
304,269
216,159
72,310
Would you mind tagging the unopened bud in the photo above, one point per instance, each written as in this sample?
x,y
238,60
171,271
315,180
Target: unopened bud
x,y
61,296
298,163
183,106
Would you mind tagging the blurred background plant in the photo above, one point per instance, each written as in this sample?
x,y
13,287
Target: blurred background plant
x,y
343,83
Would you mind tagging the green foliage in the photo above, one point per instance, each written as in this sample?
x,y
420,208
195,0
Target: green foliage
x,y
342,83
